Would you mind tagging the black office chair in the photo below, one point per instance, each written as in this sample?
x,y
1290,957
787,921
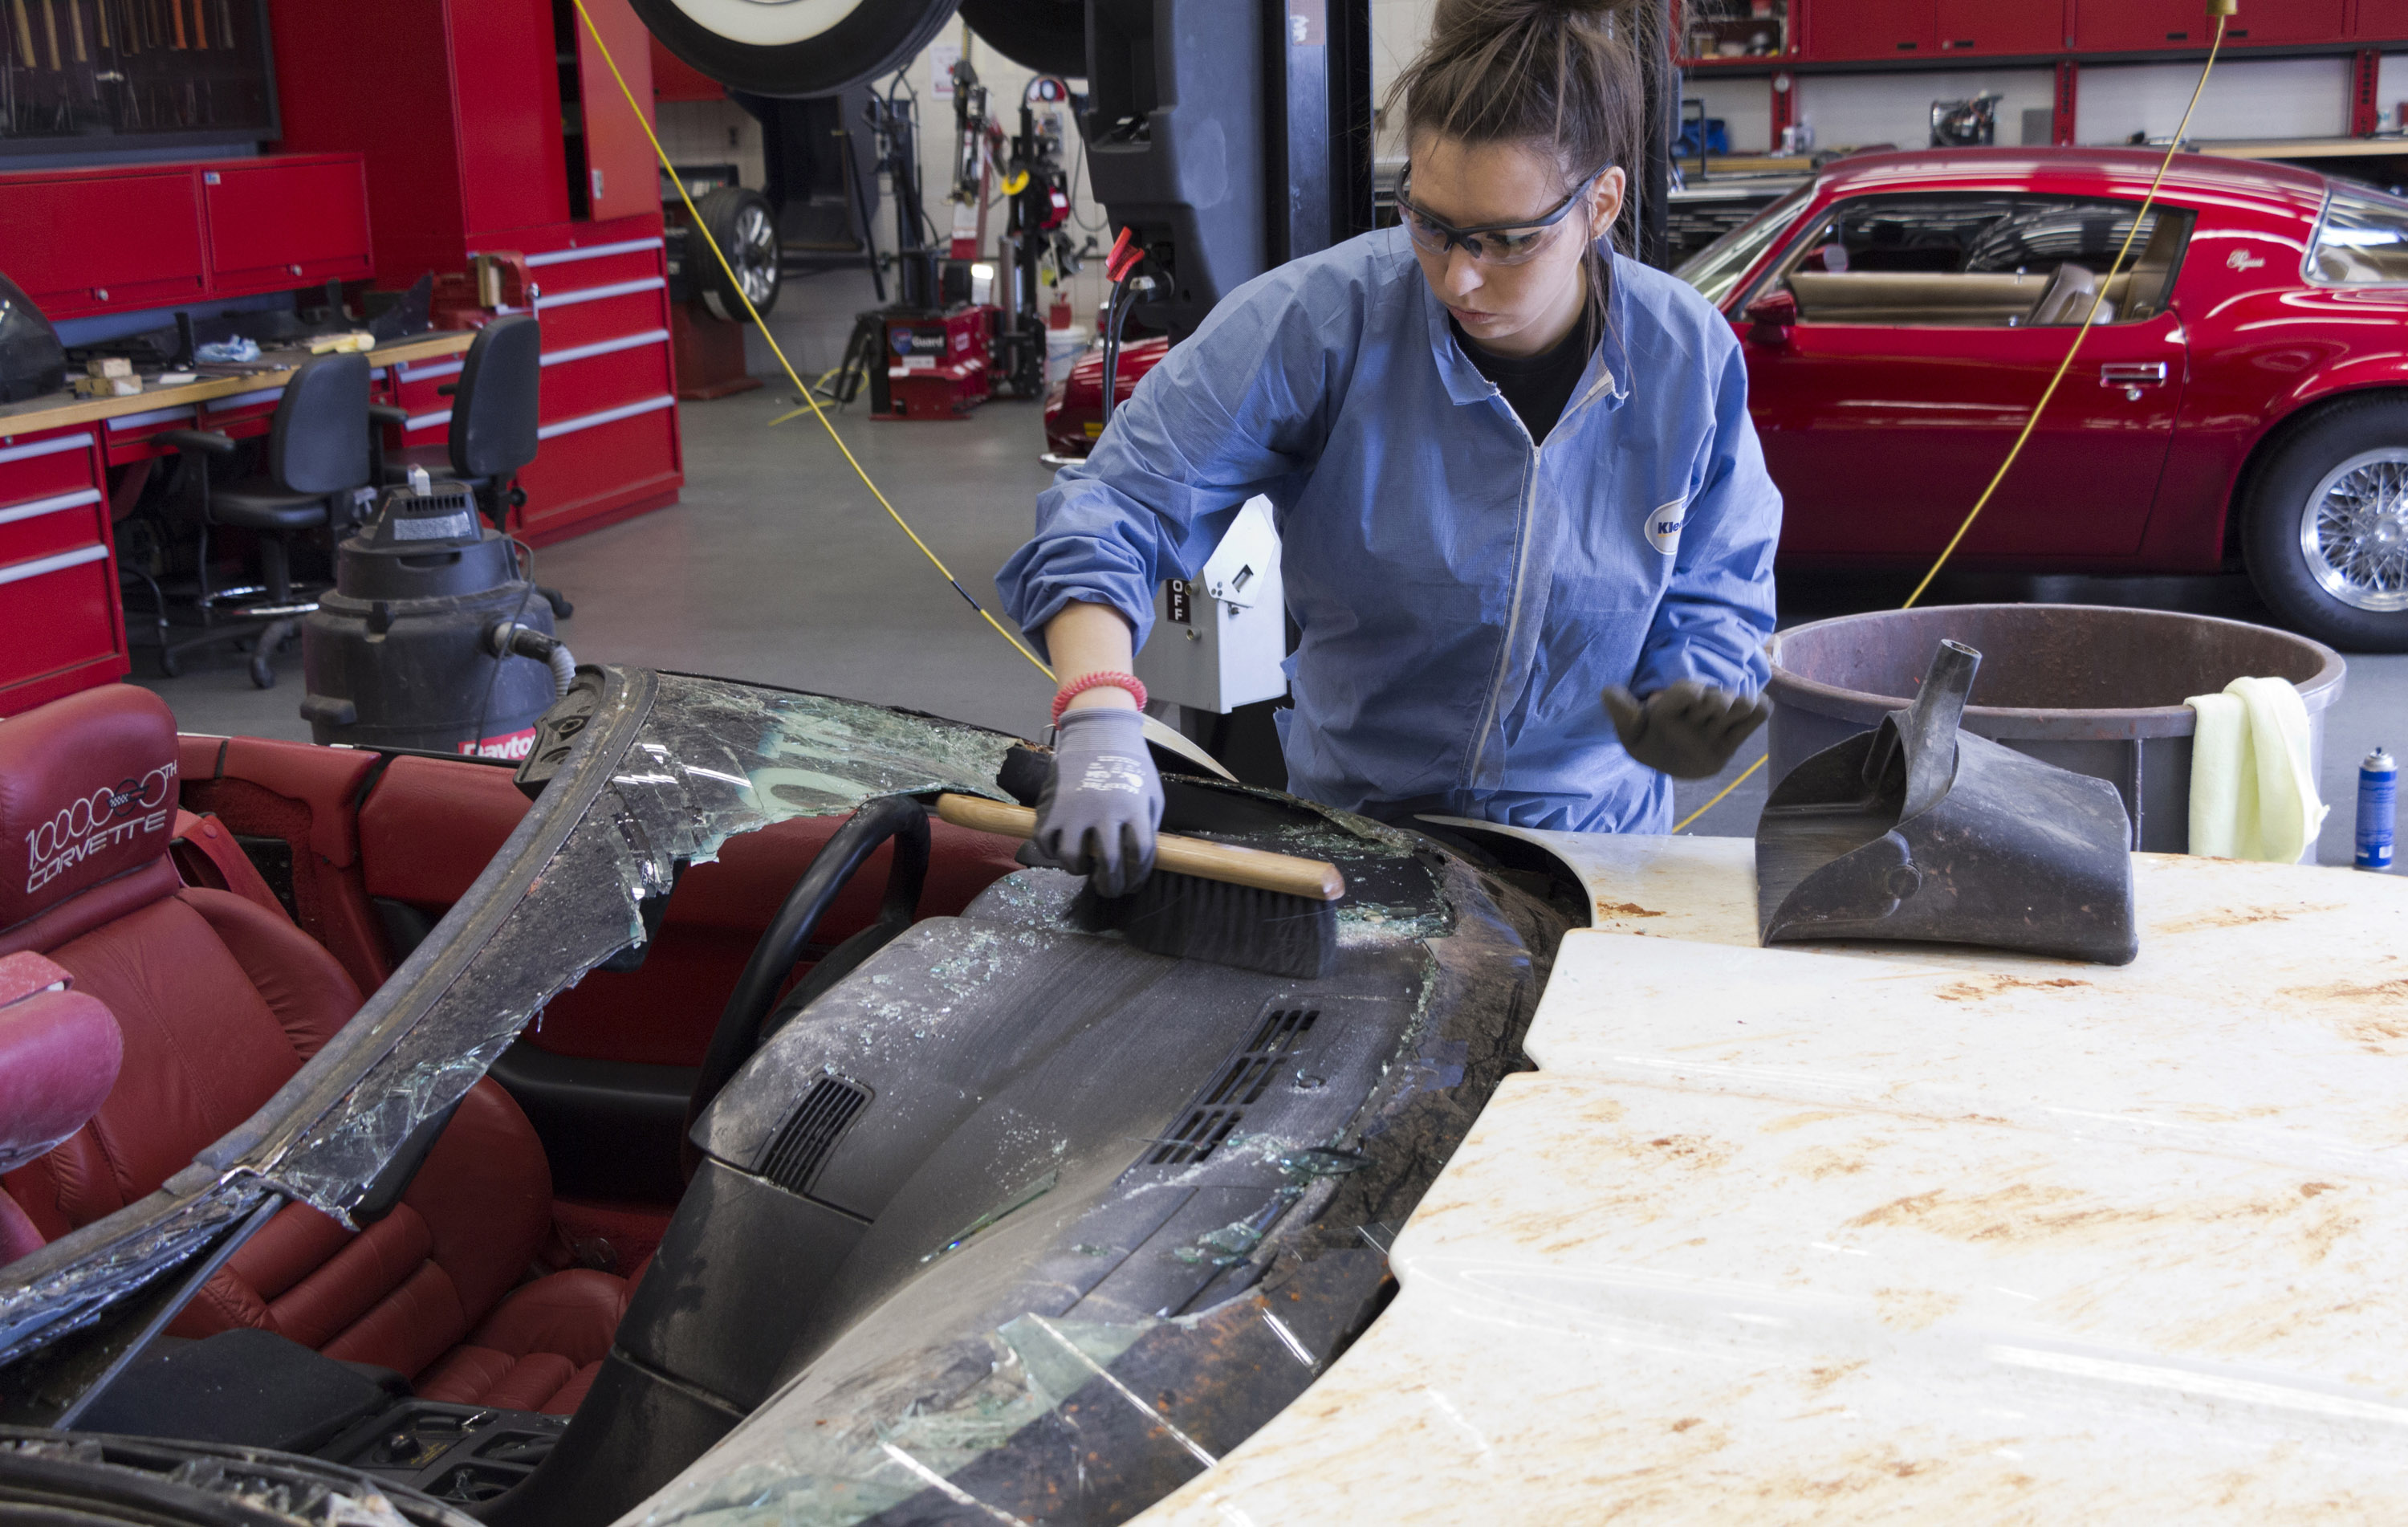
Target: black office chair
x,y
493,431
318,461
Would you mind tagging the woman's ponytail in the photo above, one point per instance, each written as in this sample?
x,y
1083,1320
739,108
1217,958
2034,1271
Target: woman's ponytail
x,y
1562,76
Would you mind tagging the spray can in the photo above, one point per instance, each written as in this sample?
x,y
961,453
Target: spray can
x,y
2378,808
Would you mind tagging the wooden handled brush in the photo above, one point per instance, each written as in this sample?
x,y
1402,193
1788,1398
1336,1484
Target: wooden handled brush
x,y
1204,900
1282,873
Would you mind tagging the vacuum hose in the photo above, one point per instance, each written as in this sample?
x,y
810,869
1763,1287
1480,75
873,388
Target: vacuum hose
x,y
509,636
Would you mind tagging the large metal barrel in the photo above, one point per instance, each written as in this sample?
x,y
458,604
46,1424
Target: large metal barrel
x,y
2095,690
397,655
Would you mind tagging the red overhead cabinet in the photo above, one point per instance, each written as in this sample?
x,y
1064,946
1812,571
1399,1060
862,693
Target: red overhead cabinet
x,y
1871,29
496,126
127,238
2124,26
2292,22
2002,27
2378,21
96,242
286,222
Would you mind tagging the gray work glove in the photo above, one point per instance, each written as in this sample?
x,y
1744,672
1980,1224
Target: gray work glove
x,y
1688,730
1097,813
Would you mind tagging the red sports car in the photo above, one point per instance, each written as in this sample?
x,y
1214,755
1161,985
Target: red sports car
x,y
2241,397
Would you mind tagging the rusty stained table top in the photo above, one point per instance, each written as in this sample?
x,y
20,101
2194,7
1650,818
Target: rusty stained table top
x,y
1895,1233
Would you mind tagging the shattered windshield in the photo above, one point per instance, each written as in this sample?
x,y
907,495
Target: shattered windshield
x,y
698,761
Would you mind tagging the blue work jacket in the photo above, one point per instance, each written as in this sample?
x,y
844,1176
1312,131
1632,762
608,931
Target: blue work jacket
x,y
1462,597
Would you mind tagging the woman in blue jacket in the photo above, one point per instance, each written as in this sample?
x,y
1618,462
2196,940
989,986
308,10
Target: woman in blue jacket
x,y
1527,533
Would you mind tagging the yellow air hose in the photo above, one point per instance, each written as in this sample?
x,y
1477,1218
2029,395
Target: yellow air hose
x,y
735,286
2222,10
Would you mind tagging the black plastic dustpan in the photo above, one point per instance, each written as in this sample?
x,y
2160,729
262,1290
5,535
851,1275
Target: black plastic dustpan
x,y
1916,830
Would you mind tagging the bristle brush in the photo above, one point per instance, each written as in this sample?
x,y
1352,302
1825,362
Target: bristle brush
x,y
1274,912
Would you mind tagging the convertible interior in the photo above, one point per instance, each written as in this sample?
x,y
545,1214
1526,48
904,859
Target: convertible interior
x,y
272,885
216,908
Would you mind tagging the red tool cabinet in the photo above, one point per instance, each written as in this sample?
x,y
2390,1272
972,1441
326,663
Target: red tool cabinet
x,y
496,126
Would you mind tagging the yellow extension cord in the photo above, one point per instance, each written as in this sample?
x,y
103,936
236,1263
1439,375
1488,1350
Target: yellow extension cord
x,y
805,393
2221,9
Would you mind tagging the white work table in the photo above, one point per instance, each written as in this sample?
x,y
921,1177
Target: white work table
x,y
1896,1233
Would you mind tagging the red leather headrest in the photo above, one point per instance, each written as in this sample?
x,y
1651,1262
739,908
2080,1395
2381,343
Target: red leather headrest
x,y
59,1054
87,791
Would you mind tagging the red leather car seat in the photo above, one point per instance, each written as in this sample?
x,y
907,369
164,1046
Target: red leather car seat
x,y
219,1001
59,1054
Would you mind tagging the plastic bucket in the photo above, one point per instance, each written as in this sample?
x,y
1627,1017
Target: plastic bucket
x,y
2095,690
1063,347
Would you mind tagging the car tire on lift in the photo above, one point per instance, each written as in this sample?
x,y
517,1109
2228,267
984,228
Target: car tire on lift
x,y
1047,35
2325,526
741,222
792,50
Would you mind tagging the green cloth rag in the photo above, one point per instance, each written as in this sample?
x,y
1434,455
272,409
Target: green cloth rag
x,y
2253,792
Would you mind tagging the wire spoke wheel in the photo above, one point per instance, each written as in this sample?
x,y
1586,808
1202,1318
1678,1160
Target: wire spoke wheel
x,y
739,220
755,254
2354,531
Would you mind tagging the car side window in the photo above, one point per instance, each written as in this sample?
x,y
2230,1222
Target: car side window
x,y
1984,260
2362,241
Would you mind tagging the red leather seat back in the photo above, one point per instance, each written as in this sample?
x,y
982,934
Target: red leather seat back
x,y
58,1053
86,805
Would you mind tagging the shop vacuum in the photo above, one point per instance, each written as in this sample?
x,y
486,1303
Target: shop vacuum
x,y
430,638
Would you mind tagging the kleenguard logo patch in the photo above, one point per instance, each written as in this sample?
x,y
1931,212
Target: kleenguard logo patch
x,y
1664,526
97,822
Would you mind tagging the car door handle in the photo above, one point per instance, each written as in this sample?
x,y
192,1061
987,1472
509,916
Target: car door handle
x,y
2133,374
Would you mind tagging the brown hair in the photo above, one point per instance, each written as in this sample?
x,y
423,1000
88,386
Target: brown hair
x,y
1560,76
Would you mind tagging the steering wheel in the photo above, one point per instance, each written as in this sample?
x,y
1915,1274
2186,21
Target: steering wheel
x,y
742,1023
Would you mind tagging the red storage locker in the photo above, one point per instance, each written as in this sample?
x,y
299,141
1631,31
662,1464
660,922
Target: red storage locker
x,y
2125,26
282,223
1872,29
2002,26
513,173
102,241
619,159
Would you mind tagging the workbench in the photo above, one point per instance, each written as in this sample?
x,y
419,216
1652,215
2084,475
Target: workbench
x,y
70,466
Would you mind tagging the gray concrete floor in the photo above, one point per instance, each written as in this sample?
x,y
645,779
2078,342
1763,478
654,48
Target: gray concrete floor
x,y
779,567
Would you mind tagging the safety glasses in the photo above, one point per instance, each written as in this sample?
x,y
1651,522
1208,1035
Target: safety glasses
x,y
1491,243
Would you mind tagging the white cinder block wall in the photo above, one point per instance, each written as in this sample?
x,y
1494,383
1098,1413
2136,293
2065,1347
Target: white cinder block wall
x,y
2254,98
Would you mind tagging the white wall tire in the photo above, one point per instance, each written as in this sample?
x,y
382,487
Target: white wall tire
x,y
794,48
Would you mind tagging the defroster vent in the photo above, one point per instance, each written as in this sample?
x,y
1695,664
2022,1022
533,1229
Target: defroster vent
x,y
1241,1083
809,1134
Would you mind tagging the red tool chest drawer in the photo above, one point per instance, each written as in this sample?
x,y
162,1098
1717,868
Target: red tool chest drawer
x,y
60,522
60,626
98,243
284,223
597,460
